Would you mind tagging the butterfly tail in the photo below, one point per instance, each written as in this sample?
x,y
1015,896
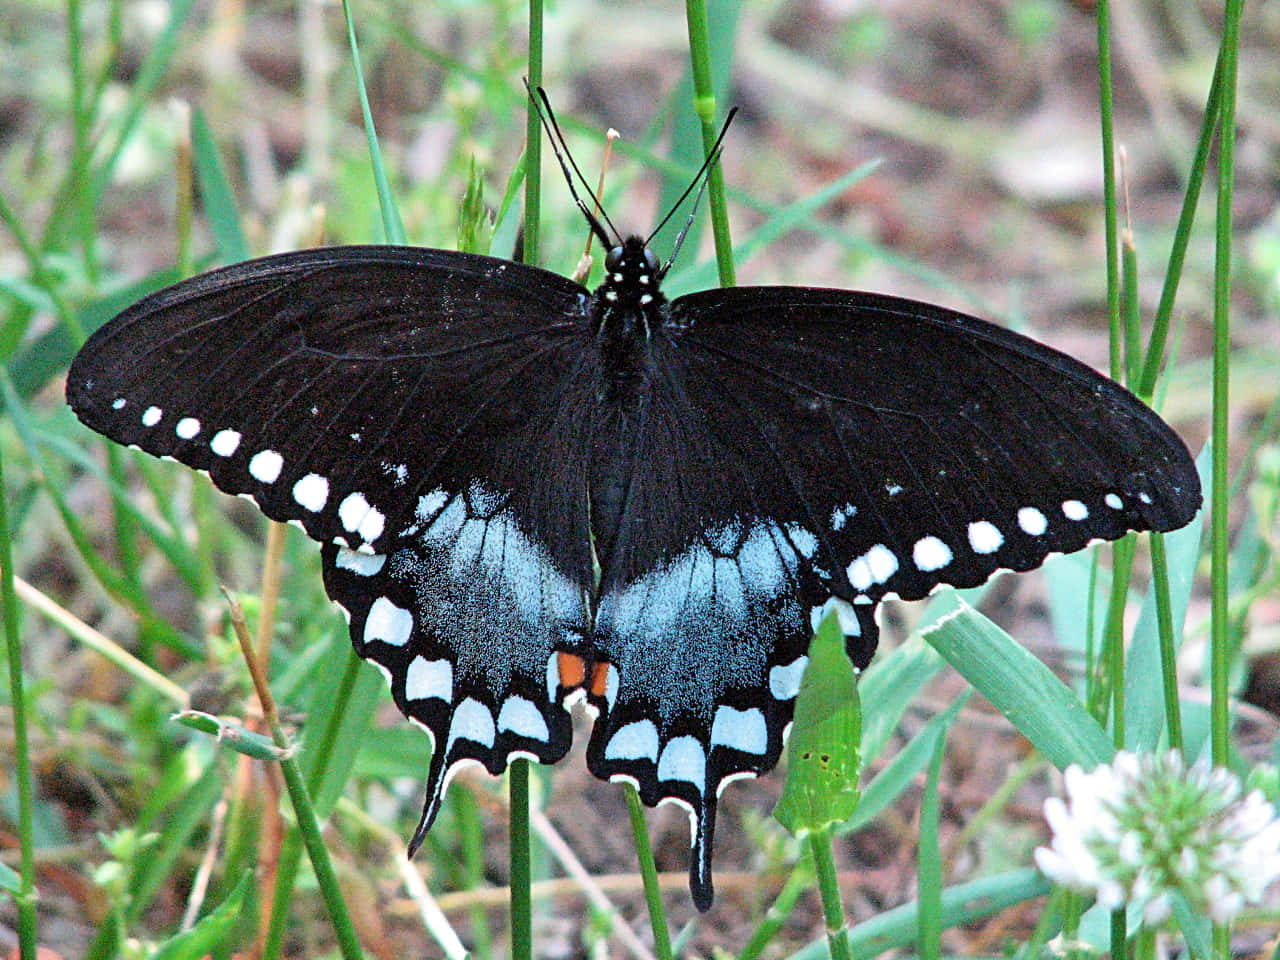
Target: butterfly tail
x,y
437,781
703,825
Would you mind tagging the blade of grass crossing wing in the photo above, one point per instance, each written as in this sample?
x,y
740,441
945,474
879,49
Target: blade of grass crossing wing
x,y
1144,711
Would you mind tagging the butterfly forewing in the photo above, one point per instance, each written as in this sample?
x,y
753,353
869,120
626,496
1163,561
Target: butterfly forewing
x,y
919,446
341,388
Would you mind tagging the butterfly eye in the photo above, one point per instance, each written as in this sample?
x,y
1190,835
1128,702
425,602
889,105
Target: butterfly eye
x,y
650,260
613,259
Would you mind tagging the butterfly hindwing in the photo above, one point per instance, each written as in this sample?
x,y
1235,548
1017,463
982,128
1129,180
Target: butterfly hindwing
x,y
463,620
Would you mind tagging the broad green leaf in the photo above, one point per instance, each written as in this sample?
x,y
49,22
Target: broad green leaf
x,y
823,753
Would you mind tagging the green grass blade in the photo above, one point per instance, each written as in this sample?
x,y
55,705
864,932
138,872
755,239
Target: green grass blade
x,y
216,195
25,893
961,904
213,932
1035,701
901,772
706,106
929,860
392,225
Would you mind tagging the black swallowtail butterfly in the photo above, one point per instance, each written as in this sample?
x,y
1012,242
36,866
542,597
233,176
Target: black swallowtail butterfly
x,y
527,491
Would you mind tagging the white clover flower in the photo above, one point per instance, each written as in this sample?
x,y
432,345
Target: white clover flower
x,y
1143,828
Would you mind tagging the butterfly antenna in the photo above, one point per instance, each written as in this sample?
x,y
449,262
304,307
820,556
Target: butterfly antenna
x,y
700,180
569,168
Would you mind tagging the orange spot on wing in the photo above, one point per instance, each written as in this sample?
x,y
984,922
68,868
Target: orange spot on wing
x,y
572,669
599,678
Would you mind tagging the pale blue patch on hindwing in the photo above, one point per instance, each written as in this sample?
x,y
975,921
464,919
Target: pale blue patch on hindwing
x,y
388,623
361,564
784,680
523,718
471,721
429,679
683,759
743,730
635,741
845,615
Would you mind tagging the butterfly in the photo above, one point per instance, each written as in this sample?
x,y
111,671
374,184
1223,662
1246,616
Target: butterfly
x,y
530,493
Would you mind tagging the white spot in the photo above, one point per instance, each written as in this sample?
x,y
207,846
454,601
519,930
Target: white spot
x,y
311,492
361,564
635,741
471,721
187,428
522,718
1032,521
930,554
784,681
883,562
875,566
429,679
352,511
842,515
372,525
225,442
611,682
683,759
1075,510
265,466
1145,498
893,489
610,295
616,278
118,403
743,730
845,616
1113,501
859,573
985,537
646,299
151,416
388,623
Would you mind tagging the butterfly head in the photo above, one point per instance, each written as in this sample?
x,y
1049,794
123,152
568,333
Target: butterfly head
x,y
630,288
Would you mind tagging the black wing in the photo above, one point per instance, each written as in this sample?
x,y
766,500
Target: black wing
x,y
808,449
397,404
